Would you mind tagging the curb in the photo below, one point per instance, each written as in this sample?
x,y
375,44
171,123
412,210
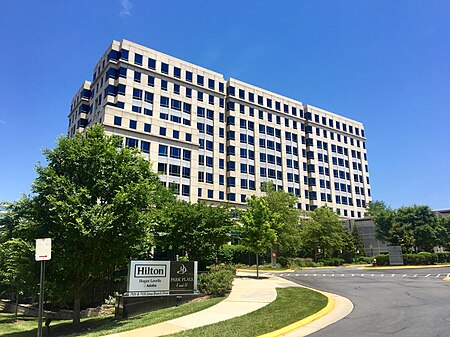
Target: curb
x,y
446,279
408,267
291,327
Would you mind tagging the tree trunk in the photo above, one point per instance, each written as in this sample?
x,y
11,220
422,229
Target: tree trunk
x,y
257,264
76,310
17,305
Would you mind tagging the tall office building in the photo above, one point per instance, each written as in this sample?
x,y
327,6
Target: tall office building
x,y
217,140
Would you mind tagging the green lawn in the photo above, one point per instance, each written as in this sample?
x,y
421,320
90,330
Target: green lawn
x,y
99,326
291,305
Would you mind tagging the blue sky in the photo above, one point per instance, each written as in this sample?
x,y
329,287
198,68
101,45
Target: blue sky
x,y
384,63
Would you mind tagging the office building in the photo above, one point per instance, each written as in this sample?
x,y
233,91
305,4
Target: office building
x,y
216,140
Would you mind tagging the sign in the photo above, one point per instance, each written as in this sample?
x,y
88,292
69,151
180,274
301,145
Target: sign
x,y
395,255
43,249
157,278
183,277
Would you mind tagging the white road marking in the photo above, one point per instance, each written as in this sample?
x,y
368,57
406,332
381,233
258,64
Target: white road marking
x,y
353,275
404,275
296,274
448,275
323,274
415,275
381,275
438,275
342,275
372,275
332,274
288,275
306,274
315,275
362,275
428,275
392,275
281,274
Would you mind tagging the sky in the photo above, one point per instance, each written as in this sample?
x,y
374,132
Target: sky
x,y
384,63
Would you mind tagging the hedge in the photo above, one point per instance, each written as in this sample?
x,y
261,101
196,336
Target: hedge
x,y
423,258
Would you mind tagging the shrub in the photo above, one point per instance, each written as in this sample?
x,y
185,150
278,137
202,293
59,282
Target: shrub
x,y
283,261
217,282
419,259
239,254
295,263
382,260
223,266
333,261
443,257
362,260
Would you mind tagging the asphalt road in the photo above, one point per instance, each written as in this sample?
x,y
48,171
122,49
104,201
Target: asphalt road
x,y
401,303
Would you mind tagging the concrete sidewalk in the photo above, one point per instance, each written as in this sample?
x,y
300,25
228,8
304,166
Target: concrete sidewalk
x,y
248,294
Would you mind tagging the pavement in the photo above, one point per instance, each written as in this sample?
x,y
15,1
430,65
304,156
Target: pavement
x,y
249,294
395,302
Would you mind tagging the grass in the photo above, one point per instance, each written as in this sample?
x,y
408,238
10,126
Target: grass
x,y
98,326
291,305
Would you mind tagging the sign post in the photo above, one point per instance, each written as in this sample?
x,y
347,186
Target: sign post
x,y
43,253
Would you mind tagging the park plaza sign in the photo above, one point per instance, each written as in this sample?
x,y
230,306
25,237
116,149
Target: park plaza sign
x,y
159,278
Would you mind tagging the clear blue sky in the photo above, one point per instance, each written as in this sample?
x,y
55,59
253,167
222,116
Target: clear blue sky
x,y
384,63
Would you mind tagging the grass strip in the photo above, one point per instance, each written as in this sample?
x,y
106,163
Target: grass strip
x,y
99,326
291,305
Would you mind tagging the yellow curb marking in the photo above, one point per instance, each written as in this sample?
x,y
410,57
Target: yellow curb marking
x,y
291,327
446,279
408,267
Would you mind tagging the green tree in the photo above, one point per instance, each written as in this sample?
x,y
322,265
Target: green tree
x,y
96,200
197,230
285,218
257,230
357,242
322,232
383,216
17,271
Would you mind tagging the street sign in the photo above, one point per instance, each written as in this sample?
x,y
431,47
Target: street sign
x,y
43,249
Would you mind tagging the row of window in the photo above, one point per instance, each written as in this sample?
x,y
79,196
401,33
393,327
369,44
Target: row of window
x,y
176,72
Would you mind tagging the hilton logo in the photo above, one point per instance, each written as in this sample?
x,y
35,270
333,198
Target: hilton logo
x,y
148,270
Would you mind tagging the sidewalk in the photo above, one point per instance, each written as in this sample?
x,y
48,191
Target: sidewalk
x,y
248,294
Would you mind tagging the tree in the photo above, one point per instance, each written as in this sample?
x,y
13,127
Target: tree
x,y
257,231
382,215
198,230
96,200
358,242
285,218
17,271
322,230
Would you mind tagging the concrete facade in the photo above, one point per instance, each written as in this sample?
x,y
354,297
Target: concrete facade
x,y
217,140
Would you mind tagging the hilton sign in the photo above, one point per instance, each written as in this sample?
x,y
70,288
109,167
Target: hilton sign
x,y
156,278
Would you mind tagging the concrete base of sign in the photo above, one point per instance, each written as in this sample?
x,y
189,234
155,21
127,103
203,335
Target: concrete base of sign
x,y
131,306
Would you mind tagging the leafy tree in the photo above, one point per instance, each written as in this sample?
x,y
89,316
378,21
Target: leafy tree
x,y
322,230
257,230
17,271
285,218
382,215
198,230
357,242
96,200
401,235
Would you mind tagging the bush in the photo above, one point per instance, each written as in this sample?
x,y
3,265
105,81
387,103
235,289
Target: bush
x,y
362,260
223,266
382,260
443,257
239,254
419,259
334,261
295,263
283,261
217,282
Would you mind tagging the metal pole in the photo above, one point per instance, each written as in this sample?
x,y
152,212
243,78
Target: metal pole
x,y
41,299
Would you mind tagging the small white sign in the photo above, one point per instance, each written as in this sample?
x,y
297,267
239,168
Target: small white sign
x,y
148,278
43,249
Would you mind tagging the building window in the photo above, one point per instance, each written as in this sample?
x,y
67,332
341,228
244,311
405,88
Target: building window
x,y
164,68
147,127
117,120
145,146
151,63
133,124
176,72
